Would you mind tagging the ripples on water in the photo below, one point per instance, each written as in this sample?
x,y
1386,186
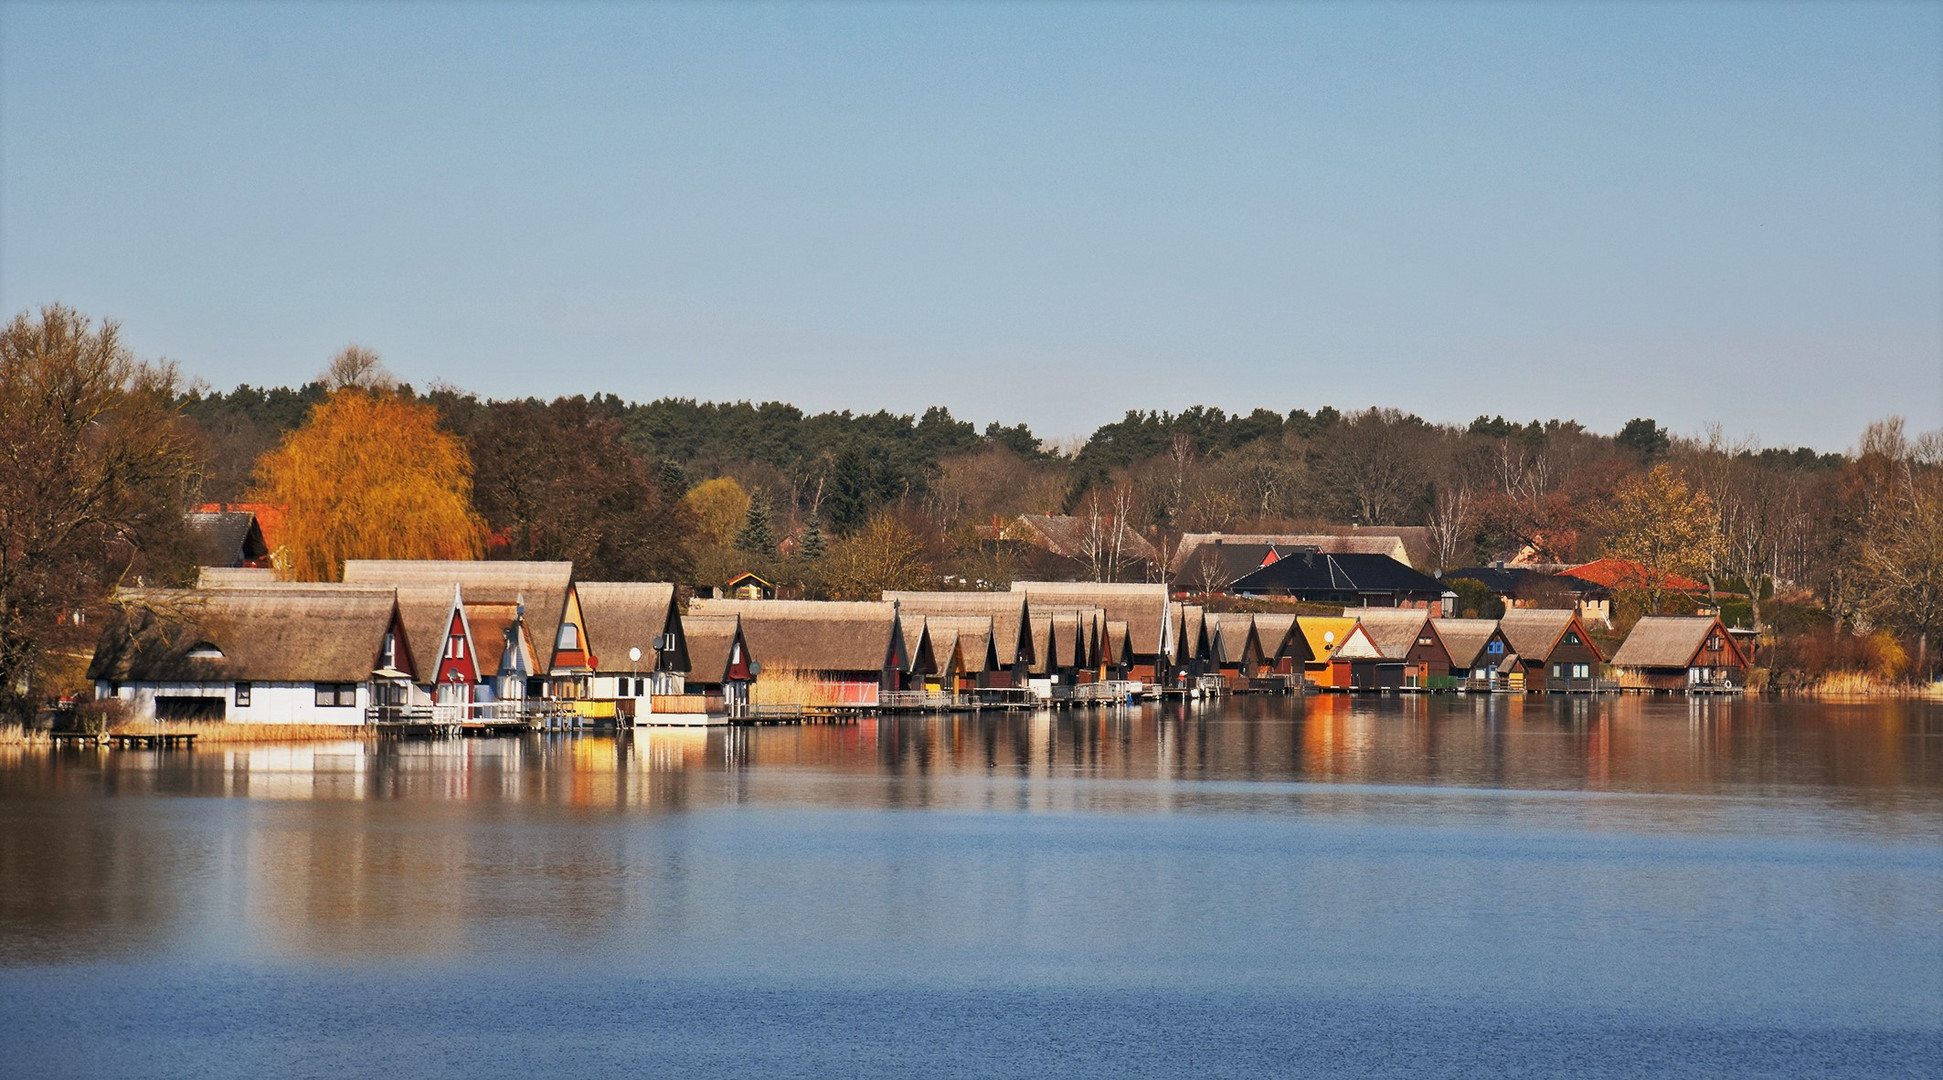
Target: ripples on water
x,y
1331,886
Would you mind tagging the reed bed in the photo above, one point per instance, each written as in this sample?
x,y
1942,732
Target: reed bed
x,y
783,685
227,732
1862,684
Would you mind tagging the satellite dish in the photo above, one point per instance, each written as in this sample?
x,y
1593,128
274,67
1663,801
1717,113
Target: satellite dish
x,y
1328,637
634,654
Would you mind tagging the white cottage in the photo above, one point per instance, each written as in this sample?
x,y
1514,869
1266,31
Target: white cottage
x,y
288,655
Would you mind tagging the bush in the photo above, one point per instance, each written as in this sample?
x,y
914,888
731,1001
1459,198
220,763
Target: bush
x,y
99,717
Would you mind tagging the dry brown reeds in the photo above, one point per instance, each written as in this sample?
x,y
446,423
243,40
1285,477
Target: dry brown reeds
x,y
784,685
221,731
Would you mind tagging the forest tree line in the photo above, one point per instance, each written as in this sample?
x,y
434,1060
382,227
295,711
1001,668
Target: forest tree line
x,y
1841,549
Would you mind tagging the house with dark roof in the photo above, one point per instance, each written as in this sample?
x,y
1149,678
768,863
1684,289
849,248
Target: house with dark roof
x,y
1344,580
1525,587
1676,653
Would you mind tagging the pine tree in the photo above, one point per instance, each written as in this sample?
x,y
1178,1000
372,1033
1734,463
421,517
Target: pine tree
x,y
812,545
758,535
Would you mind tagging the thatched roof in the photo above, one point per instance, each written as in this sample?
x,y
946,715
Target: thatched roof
x,y
944,651
541,586
1229,635
1191,634
1276,631
1142,607
226,538
1072,536
972,635
1535,632
236,577
1010,637
709,639
1464,639
623,615
919,656
815,635
1395,630
328,634
1117,643
1670,641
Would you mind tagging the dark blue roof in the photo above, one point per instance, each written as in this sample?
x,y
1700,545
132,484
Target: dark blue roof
x,y
1320,572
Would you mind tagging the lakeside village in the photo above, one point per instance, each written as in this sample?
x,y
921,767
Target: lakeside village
x,y
444,647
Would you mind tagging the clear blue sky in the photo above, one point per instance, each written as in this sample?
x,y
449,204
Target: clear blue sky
x,y
1049,213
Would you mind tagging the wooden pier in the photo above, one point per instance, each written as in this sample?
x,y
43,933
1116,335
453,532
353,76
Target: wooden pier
x,y
153,740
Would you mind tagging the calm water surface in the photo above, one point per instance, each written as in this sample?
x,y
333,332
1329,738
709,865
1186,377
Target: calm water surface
x,y
1329,887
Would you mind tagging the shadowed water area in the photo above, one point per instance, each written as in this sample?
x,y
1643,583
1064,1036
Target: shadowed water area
x,y
1327,886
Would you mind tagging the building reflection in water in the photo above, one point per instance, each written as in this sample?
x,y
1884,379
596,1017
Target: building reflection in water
x,y
419,848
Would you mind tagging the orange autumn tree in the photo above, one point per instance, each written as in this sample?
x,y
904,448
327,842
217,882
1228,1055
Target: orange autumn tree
x,y
370,476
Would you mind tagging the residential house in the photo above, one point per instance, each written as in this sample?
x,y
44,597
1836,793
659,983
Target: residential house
x,y
1526,587
1679,653
227,539
1358,580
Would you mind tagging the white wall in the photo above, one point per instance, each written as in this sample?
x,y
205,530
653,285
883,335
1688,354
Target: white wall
x,y
270,702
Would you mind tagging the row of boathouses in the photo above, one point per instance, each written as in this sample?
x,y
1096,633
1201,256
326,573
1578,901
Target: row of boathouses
x,y
512,641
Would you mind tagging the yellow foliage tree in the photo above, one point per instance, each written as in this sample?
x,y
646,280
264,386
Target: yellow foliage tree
x,y
1663,525
370,476
720,506
883,555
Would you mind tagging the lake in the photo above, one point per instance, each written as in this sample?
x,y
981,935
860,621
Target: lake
x,y
1280,886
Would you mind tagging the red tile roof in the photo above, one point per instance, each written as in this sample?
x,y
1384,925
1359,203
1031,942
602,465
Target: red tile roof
x,y
1625,574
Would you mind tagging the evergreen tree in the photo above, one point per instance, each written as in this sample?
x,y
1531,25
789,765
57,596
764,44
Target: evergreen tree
x,y
758,535
812,546
672,478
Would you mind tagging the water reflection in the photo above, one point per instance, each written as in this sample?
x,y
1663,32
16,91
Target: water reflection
x,y
1882,755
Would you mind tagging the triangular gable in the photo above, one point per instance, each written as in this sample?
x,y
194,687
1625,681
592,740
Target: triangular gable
x,y
571,650
1358,645
458,659
401,658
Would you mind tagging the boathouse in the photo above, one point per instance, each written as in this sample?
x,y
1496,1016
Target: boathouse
x,y
843,654
293,655
1554,651
1675,653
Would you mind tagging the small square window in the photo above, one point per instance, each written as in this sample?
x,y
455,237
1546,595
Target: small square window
x,y
242,695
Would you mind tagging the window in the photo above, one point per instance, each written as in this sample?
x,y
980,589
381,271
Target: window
x,y
569,637
1714,643
1572,638
455,648
1495,648
1423,641
336,695
1555,671
1582,671
242,695
388,655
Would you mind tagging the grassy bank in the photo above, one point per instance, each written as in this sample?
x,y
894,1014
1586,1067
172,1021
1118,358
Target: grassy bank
x,y
225,732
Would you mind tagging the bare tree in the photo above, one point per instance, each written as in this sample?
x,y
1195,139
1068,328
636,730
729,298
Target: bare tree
x,y
359,366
